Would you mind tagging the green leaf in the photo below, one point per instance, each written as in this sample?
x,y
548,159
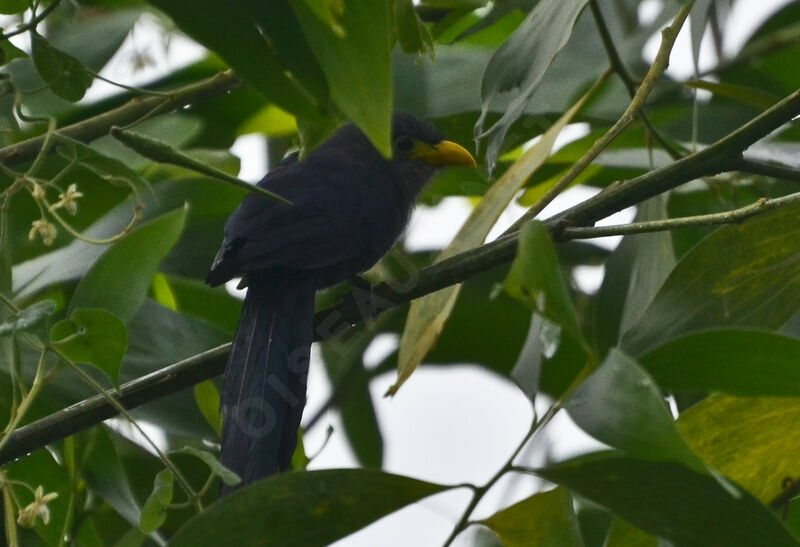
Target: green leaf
x,y
159,337
428,315
520,64
456,4
271,121
94,39
108,168
41,468
360,85
758,99
751,440
670,501
738,276
118,281
621,406
542,341
105,476
228,29
536,278
412,34
207,398
162,152
329,12
303,509
175,129
654,260
28,318
63,73
547,518
735,361
162,292
92,336
214,305
10,52
154,510
13,6
634,273
278,22
228,477
625,534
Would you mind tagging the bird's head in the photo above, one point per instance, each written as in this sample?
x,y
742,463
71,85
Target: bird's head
x,y
418,150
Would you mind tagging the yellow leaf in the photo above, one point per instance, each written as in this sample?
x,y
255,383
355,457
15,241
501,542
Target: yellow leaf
x,y
751,440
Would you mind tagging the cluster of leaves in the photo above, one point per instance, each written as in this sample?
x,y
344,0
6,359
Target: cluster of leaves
x,y
708,318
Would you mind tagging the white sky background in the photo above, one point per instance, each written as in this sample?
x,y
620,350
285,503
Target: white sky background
x,y
447,425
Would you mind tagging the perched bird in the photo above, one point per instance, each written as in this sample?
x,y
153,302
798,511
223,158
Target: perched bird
x,y
350,204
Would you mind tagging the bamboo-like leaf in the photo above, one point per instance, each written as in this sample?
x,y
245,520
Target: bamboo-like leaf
x,y
751,440
520,63
427,315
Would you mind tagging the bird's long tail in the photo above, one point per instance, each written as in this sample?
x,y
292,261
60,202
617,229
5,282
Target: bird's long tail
x,y
265,381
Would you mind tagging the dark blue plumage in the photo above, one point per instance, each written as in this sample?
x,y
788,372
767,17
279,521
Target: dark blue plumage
x,y
349,206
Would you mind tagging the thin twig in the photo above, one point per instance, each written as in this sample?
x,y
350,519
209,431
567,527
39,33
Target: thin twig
x,y
727,217
35,20
668,36
627,79
536,426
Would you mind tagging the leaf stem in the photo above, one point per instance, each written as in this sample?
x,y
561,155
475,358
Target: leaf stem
x,y
25,403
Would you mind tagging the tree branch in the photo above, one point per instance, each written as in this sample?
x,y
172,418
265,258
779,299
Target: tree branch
x,y
721,156
727,217
758,167
97,126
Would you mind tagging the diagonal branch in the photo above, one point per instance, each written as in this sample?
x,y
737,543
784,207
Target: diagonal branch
x,y
97,126
724,155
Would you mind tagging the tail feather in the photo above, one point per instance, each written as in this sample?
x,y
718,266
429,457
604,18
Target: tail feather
x,y
265,381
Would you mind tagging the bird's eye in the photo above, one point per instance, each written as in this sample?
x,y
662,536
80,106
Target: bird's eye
x,y
404,144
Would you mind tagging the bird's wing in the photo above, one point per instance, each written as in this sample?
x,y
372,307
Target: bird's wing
x,y
320,229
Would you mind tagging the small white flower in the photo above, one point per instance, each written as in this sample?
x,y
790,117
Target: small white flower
x,y
37,192
37,508
45,229
68,199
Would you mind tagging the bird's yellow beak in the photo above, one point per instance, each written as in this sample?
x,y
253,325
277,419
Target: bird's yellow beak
x,y
443,153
